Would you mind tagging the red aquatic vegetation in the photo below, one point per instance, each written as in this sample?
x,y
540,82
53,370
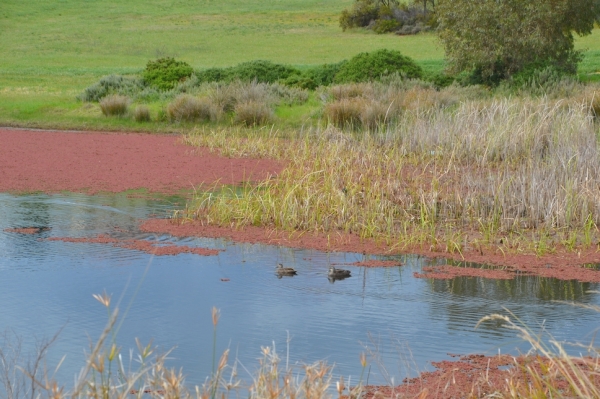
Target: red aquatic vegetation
x,y
27,230
150,247
54,161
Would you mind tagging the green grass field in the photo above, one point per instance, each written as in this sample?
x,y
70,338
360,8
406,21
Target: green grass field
x,y
53,49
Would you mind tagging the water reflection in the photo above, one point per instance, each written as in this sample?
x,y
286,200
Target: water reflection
x,y
48,285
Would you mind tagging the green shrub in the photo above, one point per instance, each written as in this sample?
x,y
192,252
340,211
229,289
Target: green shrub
x,y
114,105
253,113
360,15
310,79
372,66
260,71
440,80
324,75
141,114
112,84
165,73
213,75
386,26
191,109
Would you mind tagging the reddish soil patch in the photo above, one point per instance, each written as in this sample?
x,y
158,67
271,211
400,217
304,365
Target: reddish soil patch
x,y
27,230
153,248
51,161
562,265
476,376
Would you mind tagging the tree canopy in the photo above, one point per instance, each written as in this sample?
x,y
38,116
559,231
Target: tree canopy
x,y
497,38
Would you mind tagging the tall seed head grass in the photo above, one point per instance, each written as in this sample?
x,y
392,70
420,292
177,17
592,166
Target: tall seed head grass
x,y
187,108
496,166
345,113
114,105
253,113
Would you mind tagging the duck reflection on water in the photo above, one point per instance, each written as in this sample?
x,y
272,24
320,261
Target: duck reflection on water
x,y
337,274
281,271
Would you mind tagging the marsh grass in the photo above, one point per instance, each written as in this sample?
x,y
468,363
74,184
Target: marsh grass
x,y
115,105
141,113
188,108
526,171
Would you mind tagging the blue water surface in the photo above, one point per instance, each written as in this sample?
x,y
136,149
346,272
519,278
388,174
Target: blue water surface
x,y
402,322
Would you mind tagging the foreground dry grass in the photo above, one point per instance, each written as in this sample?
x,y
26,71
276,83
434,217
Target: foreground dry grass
x,y
547,372
521,173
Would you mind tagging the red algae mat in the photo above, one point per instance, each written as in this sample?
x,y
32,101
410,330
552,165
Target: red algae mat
x,y
152,248
54,161
477,376
560,265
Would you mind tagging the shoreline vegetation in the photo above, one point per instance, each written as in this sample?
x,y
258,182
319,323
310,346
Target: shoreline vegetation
x,y
516,175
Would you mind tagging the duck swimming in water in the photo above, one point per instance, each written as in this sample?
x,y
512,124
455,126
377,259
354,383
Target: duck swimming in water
x,y
338,273
285,271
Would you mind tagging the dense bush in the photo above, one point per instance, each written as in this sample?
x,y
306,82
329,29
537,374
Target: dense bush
x,y
165,73
321,75
385,26
384,16
114,105
360,15
372,66
259,70
112,84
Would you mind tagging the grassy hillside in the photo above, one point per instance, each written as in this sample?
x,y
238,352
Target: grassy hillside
x,y
53,49
81,40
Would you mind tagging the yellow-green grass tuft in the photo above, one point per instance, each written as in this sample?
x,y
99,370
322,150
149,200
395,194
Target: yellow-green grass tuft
x,y
252,113
187,108
114,105
141,113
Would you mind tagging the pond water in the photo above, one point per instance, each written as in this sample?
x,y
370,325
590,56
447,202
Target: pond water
x,y
46,287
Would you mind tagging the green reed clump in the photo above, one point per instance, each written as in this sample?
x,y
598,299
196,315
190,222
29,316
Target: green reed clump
x,y
114,105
